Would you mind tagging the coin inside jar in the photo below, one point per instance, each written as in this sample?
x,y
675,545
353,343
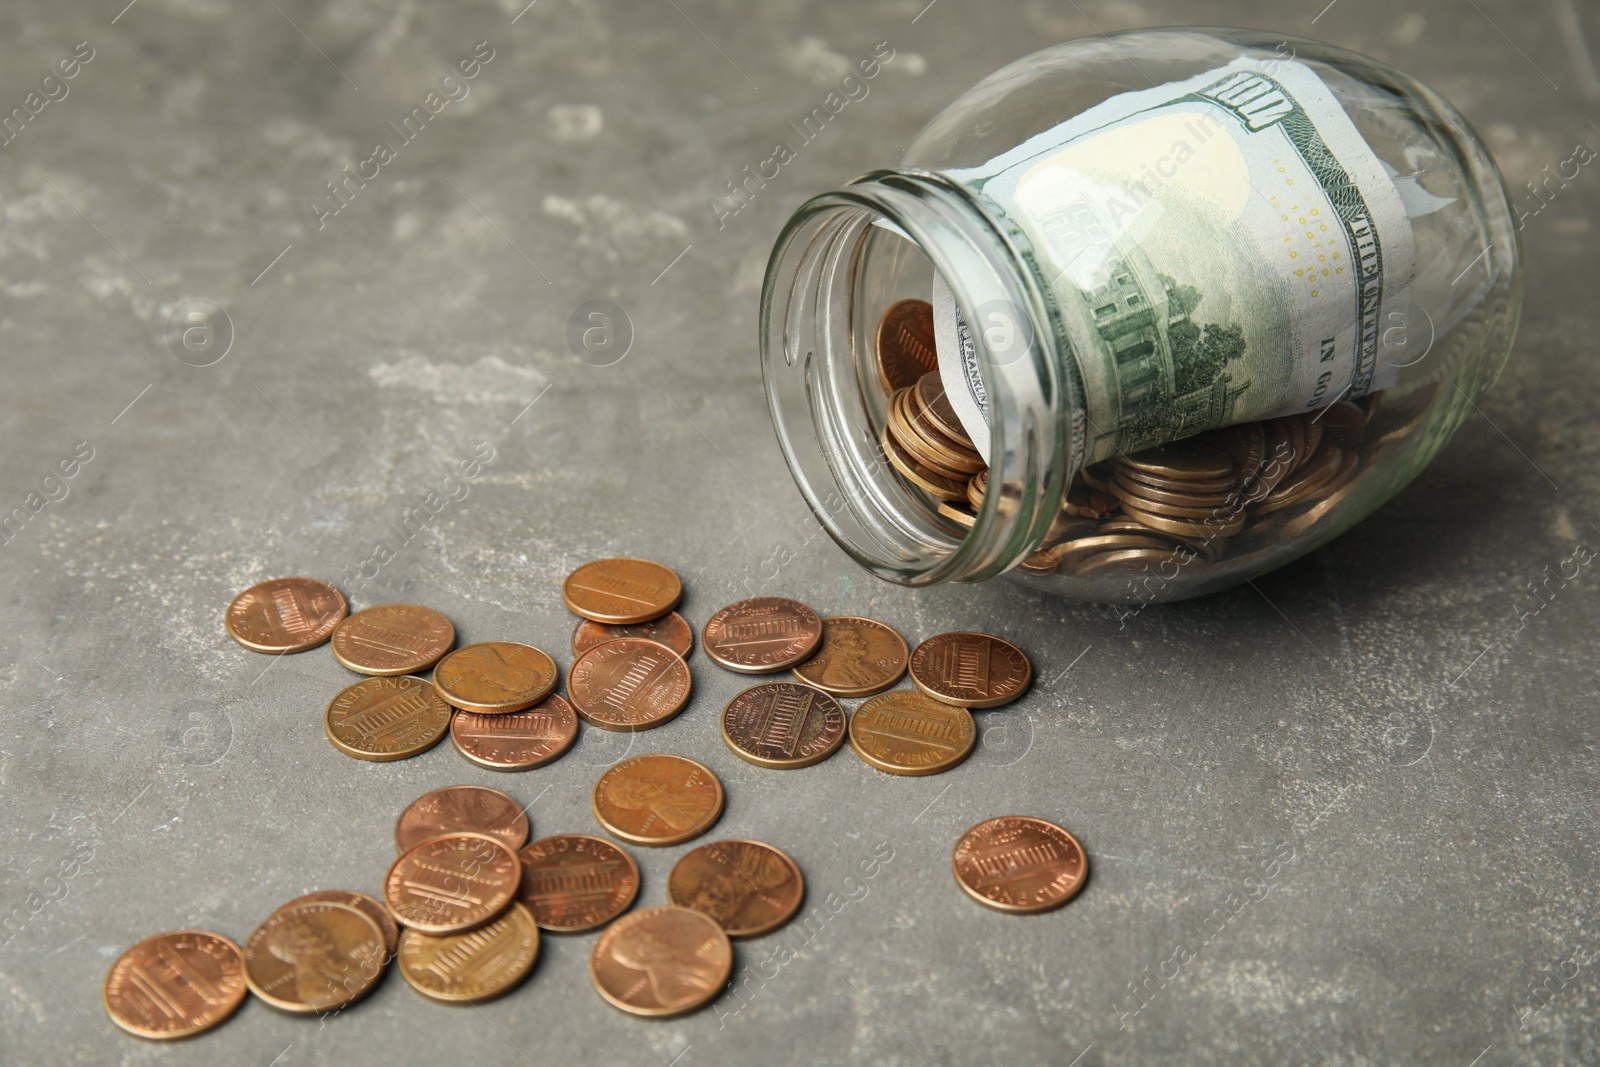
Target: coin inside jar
x,y
671,629
452,884
661,961
783,725
383,719
763,634
576,882
314,956
454,809
628,684
495,677
475,966
1017,863
857,658
285,615
905,344
393,639
657,799
519,740
971,670
907,732
175,984
622,591
369,906
750,888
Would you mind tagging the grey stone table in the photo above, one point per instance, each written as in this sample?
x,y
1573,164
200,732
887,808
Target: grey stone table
x,y
1345,817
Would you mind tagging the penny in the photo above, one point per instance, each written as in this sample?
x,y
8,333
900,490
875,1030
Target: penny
x,y
661,961
495,677
575,882
907,732
393,639
1019,864
384,719
857,657
622,591
1191,460
285,615
314,956
452,884
972,670
1225,524
518,740
455,809
760,635
628,684
940,486
905,344
672,630
936,406
750,888
175,985
369,906
475,966
657,799
783,725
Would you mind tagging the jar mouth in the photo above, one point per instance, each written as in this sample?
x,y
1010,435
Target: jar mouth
x,y
823,293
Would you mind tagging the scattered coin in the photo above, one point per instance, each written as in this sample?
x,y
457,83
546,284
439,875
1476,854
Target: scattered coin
x,y
455,809
857,658
1019,864
518,740
971,670
383,719
575,882
176,984
622,591
657,799
452,884
750,888
671,629
393,639
475,966
905,344
783,725
314,956
661,961
495,677
628,684
763,634
285,615
907,732
369,906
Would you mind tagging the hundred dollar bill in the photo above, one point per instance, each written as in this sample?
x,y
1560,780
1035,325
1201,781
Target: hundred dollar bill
x,y
1220,250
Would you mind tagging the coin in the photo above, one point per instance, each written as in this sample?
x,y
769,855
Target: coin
x,y
905,344
672,630
575,882
475,966
661,961
628,684
907,732
939,486
393,639
657,799
972,670
784,725
748,887
314,956
1019,864
766,633
857,657
369,906
495,677
175,984
384,719
472,809
452,884
285,615
519,740
622,591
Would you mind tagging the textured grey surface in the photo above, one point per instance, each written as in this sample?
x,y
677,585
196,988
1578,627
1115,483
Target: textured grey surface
x,y
1378,735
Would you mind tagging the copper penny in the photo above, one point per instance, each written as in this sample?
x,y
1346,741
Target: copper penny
x,y
761,635
783,725
457,809
575,882
314,956
748,887
857,657
907,732
972,670
906,349
671,629
475,966
628,684
495,677
452,884
369,906
622,591
657,799
519,740
661,961
383,719
175,985
393,639
1019,864
285,615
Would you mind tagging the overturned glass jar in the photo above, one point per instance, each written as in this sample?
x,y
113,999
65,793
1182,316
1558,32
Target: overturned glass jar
x,y
1140,317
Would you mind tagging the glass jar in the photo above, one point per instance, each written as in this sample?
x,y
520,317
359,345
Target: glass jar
x,y
1141,316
